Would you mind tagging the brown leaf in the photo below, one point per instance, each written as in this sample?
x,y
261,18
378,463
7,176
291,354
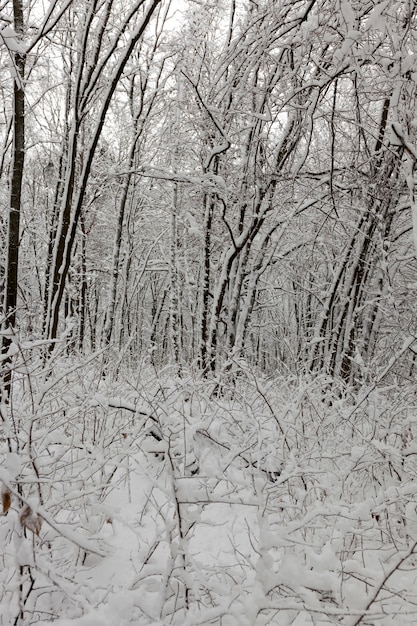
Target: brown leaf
x,y
6,498
30,520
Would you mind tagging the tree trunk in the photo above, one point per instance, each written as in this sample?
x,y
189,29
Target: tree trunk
x,y
10,304
68,228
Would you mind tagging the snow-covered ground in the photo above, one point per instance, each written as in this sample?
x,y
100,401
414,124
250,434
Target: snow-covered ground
x,y
176,501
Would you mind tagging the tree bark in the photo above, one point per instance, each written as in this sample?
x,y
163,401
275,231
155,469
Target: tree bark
x,y
12,267
67,233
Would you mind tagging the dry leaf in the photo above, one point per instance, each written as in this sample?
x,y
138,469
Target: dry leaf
x,y
6,498
30,520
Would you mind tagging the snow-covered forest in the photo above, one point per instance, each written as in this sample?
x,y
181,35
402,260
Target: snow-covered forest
x,y
208,225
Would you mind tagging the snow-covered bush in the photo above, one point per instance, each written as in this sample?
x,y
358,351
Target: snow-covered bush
x,y
158,500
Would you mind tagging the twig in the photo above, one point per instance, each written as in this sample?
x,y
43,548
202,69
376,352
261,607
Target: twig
x,y
59,528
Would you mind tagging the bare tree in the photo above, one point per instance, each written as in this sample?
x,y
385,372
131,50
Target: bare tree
x,y
17,52
91,66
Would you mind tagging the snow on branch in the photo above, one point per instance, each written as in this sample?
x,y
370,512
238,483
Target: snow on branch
x,y
399,133
209,181
222,147
9,39
39,512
